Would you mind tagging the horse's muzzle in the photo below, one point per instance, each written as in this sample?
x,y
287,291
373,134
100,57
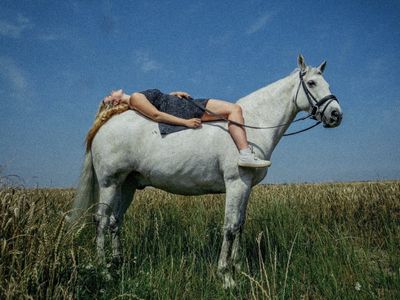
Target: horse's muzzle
x,y
334,120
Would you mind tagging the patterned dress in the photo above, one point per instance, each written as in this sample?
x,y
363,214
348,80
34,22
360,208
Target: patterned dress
x,y
175,106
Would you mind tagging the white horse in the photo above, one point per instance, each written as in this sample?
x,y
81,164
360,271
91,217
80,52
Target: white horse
x,y
128,153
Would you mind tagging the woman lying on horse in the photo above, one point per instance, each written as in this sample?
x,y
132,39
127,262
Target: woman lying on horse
x,y
174,113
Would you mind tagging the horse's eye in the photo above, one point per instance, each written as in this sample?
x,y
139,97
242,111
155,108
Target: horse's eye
x,y
311,83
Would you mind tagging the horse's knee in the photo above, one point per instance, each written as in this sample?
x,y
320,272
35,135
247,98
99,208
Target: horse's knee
x,y
234,226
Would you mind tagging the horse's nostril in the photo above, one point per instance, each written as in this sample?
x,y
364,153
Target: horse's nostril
x,y
335,113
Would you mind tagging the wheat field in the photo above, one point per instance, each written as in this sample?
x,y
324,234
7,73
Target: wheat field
x,y
301,241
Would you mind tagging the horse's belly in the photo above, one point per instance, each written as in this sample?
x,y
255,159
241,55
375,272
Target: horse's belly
x,y
184,177
188,188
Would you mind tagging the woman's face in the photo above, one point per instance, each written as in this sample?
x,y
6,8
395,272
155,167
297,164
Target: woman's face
x,y
115,97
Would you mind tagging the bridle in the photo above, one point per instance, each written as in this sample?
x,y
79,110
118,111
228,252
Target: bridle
x,y
315,106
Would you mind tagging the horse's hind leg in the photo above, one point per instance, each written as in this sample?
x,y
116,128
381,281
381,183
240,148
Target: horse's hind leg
x,y
117,217
108,196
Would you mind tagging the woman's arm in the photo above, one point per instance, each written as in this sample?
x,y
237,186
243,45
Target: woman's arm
x,y
140,103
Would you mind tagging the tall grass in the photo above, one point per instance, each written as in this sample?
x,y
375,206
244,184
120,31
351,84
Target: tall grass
x,y
317,241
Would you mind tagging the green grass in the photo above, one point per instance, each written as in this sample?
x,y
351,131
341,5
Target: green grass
x,y
317,241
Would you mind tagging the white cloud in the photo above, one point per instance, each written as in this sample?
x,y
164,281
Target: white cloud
x,y
22,24
13,82
12,74
259,23
145,62
16,28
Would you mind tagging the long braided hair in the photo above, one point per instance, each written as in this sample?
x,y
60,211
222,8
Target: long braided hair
x,y
110,106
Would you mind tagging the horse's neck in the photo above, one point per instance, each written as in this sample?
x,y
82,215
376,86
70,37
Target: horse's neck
x,y
270,106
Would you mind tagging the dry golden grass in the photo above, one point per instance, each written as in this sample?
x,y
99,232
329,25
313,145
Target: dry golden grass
x,y
300,241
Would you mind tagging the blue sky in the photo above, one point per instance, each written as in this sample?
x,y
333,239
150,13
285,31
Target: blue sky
x,y
59,58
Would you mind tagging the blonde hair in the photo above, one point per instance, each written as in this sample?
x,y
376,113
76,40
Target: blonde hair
x,y
105,111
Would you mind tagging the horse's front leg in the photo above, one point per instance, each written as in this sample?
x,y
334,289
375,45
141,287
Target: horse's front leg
x,y
237,194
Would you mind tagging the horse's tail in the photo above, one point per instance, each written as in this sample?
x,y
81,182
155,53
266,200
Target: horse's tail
x,y
87,191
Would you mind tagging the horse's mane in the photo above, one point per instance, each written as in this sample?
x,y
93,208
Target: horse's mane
x,y
104,113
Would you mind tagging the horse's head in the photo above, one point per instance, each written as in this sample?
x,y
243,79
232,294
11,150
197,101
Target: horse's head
x,y
313,95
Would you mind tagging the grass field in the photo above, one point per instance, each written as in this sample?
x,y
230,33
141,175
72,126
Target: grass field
x,y
316,241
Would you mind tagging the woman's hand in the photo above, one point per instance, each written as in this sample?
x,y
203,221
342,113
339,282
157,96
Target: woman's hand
x,y
181,95
193,123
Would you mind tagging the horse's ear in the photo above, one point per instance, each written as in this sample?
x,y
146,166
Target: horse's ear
x,y
322,66
301,63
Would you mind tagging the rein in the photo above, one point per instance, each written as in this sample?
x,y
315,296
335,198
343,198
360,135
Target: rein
x,y
313,115
244,125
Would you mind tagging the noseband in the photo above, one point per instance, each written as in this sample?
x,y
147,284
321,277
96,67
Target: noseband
x,y
314,103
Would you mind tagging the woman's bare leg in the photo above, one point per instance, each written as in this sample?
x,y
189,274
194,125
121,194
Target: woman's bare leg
x,y
232,112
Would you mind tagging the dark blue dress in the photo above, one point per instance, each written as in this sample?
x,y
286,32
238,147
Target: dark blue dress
x,y
175,106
